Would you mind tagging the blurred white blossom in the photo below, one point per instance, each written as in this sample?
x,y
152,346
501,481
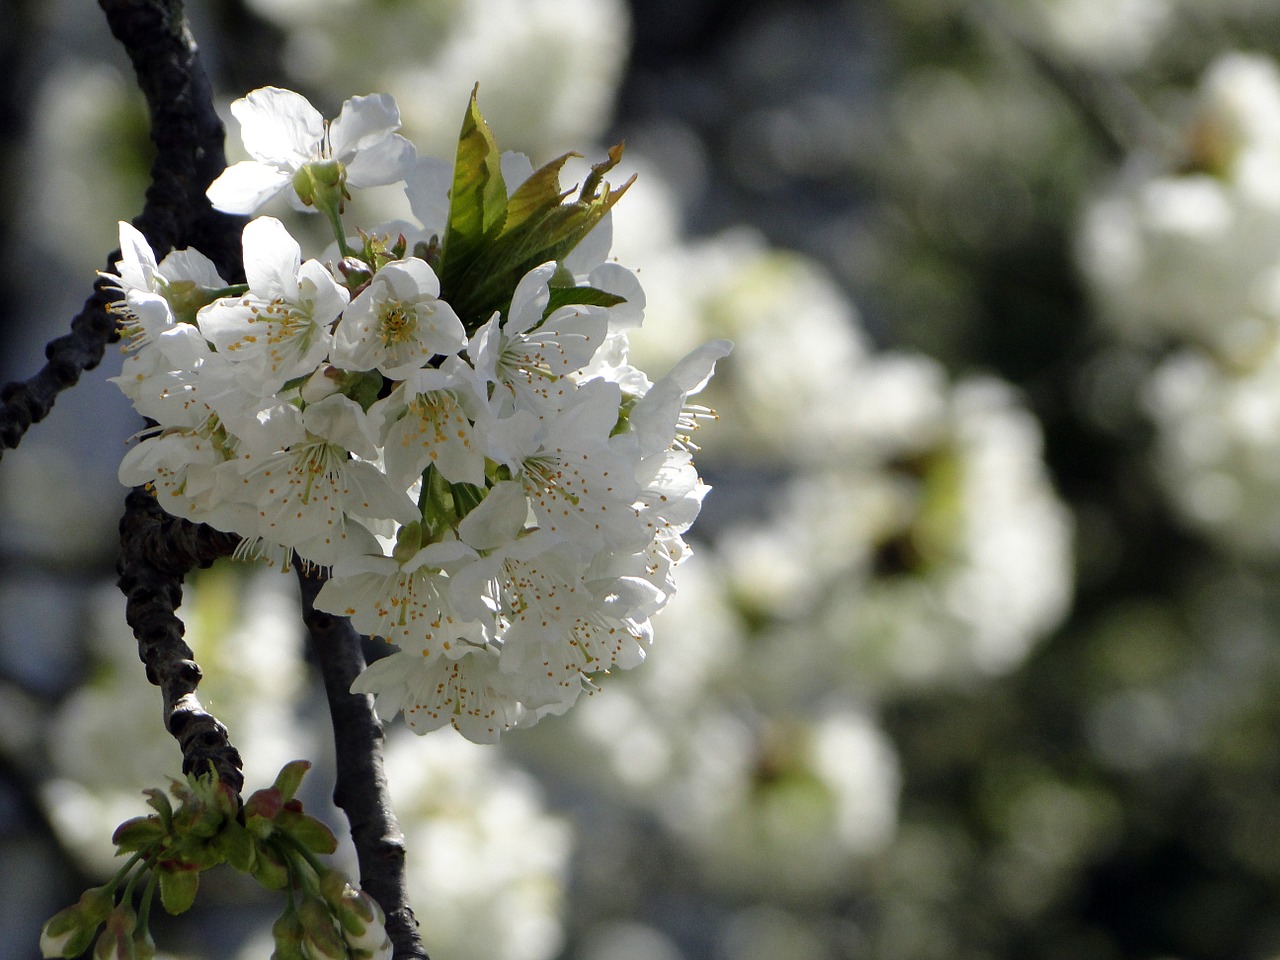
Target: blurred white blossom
x,y
487,864
1185,246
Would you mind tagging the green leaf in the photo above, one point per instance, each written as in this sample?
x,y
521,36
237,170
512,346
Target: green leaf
x,y
589,296
491,241
235,844
290,778
540,193
307,830
158,801
178,886
478,198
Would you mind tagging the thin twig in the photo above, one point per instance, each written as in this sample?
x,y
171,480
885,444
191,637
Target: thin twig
x,y
1108,107
361,785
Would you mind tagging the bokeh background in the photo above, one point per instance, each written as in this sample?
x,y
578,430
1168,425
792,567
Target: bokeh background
x,y
977,657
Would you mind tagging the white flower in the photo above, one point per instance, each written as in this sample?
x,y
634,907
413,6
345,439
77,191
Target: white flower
x,y
431,420
440,691
279,330
556,628
283,132
137,269
308,489
529,357
397,323
581,480
407,603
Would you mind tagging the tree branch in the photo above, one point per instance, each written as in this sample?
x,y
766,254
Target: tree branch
x,y
189,154
185,128
361,785
156,552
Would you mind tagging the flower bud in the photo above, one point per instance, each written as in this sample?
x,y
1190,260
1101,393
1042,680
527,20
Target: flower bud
x,y
116,941
144,945
287,933
361,917
320,937
325,382
69,932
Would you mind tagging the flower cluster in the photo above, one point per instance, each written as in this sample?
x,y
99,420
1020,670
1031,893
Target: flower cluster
x,y
1180,257
442,416
271,839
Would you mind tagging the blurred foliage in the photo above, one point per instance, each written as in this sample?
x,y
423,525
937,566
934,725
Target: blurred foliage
x,y
1115,795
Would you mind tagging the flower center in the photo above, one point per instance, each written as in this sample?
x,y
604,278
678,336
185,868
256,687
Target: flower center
x,y
398,323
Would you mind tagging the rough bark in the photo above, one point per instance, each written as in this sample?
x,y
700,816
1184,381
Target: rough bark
x,y
189,154
156,552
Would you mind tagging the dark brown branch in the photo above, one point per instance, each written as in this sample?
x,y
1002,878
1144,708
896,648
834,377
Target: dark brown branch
x,y
156,552
189,154
361,785
185,128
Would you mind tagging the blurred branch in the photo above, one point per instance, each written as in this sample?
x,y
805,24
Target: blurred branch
x,y
361,785
156,552
1108,107
189,154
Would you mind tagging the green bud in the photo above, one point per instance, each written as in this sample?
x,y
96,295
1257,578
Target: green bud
x,y
116,941
262,807
408,541
305,829
355,272
269,867
287,933
69,932
290,778
138,834
235,845
186,297
320,937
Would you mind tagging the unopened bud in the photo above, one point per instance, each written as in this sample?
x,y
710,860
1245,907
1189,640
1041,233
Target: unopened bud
x,y
116,940
69,932
287,933
325,382
321,939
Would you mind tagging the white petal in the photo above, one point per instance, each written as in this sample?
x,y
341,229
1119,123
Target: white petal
x,y
137,263
279,127
530,299
410,279
340,420
363,120
516,169
383,162
272,259
499,517
427,188
246,186
592,249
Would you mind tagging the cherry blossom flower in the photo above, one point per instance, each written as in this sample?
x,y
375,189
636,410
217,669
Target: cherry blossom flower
x,y
279,329
284,133
398,323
